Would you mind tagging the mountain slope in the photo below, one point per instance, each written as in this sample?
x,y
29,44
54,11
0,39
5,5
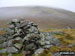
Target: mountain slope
x,y
43,16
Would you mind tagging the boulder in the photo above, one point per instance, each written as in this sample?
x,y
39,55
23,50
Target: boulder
x,y
11,50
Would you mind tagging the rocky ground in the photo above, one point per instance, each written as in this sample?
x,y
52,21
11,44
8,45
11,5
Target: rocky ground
x,y
64,40
56,26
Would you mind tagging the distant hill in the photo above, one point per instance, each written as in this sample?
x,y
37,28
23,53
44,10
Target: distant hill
x,y
43,16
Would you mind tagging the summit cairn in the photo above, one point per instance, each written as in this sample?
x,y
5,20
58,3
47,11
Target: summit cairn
x,y
25,37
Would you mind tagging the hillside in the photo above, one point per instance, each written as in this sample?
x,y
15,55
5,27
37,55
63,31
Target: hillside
x,y
43,16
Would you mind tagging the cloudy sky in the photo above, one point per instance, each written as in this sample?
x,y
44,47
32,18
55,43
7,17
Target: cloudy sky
x,y
64,4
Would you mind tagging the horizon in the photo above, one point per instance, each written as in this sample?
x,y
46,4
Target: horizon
x,y
62,4
38,6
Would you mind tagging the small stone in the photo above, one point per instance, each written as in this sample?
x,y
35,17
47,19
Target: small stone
x,y
56,54
3,51
38,51
11,50
48,46
9,54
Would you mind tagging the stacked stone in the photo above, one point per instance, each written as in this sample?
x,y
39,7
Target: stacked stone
x,y
21,36
25,37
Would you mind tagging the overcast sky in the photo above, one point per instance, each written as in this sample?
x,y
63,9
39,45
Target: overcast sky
x,y
64,4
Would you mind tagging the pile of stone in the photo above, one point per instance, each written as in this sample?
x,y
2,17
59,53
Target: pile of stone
x,y
22,36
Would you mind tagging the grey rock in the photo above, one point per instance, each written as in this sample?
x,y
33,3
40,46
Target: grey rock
x,y
68,27
70,45
5,44
47,46
11,50
1,29
38,51
9,54
11,26
15,20
9,43
3,51
56,54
